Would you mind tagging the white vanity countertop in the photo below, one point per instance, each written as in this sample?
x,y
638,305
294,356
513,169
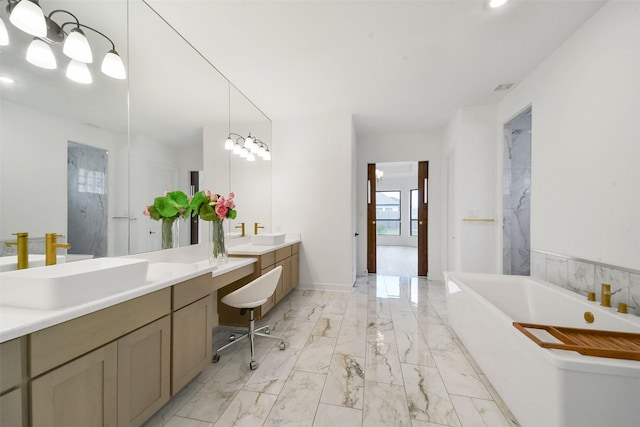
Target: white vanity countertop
x,y
166,268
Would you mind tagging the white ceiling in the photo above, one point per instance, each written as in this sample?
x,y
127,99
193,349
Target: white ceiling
x,y
397,66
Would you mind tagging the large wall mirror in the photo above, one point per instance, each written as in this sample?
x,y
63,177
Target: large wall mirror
x,y
95,155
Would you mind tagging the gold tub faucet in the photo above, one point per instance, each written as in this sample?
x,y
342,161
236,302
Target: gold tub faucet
x,y
606,295
22,242
241,227
51,246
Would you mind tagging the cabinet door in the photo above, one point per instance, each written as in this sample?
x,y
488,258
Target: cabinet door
x,y
192,328
295,271
11,408
285,279
80,393
143,372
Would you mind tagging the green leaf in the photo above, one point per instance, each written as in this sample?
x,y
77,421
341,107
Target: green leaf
x,y
153,213
207,212
165,207
198,199
231,214
179,199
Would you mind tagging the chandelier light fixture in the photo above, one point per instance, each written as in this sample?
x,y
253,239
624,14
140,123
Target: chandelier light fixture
x,y
27,16
247,148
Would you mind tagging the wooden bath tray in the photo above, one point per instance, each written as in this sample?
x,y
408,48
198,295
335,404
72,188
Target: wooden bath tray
x,y
590,342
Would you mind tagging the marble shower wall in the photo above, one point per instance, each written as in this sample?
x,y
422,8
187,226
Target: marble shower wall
x,y
583,276
517,195
87,199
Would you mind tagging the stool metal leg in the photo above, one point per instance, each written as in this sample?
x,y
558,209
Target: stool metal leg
x,y
252,329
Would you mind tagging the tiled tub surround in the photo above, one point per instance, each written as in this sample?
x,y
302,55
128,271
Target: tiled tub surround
x,y
380,355
543,387
517,196
583,276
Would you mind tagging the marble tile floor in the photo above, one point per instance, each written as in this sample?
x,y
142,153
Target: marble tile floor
x,y
380,355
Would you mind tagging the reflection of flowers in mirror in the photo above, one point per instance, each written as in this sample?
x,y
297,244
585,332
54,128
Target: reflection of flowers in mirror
x,y
173,204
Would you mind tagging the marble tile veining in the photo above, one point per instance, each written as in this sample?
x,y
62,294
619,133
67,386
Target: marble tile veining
x,y
380,355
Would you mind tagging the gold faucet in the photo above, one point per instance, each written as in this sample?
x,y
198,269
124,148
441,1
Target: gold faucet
x,y
51,246
606,295
22,242
241,227
256,225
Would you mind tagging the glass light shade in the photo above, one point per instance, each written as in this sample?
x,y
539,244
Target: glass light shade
x,y
237,148
79,72
248,143
39,54
261,150
76,46
28,17
267,155
228,144
254,148
112,66
4,35
244,153
251,157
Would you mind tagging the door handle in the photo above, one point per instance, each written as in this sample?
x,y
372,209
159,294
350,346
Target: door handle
x,y
356,234
420,222
152,232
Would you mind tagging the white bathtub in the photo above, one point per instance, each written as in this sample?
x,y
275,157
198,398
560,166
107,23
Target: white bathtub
x,y
543,387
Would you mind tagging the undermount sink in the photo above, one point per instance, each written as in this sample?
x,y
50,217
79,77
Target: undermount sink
x,y
62,285
268,239
10,263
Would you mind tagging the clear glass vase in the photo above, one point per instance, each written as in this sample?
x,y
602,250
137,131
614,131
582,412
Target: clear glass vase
x,y
170,237
219,253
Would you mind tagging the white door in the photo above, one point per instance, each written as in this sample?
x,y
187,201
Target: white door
x,y
159,179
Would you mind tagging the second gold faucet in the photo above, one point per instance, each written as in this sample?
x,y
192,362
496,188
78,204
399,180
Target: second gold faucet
x,y
51,240
256,225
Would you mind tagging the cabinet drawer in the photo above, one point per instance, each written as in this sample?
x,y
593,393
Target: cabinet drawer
x,y
295,248
192,290
58,344
267,259
283,253
10,364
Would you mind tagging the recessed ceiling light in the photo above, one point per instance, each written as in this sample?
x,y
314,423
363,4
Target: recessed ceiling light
x,y
497,3
6,80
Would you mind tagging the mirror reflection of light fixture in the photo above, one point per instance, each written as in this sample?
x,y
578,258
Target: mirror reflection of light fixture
x,y
4,35
28,17
246,150
379,175
40,54
79,72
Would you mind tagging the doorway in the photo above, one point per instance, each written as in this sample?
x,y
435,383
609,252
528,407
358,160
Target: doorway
x,y
516,229
397,218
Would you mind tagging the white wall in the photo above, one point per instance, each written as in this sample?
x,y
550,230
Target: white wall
x,y
312,195
404,185
471,157
403,148
585,140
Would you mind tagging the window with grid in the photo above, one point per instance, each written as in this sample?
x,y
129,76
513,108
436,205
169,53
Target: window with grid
x,y
388,213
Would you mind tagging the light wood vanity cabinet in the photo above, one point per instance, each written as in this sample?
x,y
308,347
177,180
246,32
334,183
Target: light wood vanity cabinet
x,y
288,258
116,366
